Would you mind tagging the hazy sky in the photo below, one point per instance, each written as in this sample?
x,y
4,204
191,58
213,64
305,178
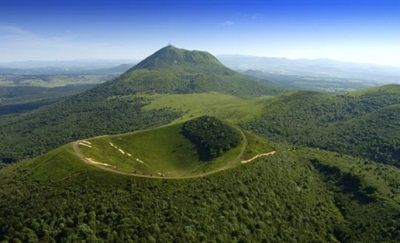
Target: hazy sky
x,y
360,31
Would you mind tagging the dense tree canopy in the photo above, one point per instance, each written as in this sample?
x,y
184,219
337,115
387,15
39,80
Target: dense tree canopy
x,y
296,195
363,124
211,136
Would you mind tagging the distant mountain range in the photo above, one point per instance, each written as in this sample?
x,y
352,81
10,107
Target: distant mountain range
x,y
316,68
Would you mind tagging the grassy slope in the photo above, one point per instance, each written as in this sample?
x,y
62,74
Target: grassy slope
x,y
285,197
164,150
226,107
255,146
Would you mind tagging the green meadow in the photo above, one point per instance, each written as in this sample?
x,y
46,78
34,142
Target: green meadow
x,y
224,106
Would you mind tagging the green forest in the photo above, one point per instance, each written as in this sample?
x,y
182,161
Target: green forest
x,y
211,136
362,123
296,195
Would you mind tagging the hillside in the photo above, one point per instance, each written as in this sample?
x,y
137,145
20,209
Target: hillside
x,y
294,195
117,106
174,70
166,152
363,123
80,116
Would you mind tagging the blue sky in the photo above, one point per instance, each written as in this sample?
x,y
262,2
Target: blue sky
x,y
359,31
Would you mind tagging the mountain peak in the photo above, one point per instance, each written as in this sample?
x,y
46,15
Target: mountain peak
x,y
175,70
170,56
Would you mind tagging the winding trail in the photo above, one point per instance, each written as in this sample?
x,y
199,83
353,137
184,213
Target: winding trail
x,y
257,156
111,168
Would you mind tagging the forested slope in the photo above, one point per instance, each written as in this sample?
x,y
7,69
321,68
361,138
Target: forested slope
x,y
364,123
80,116
295,195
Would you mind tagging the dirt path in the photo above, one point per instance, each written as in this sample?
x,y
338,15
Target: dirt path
x,y
257,156
92,161
231,164
84,144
